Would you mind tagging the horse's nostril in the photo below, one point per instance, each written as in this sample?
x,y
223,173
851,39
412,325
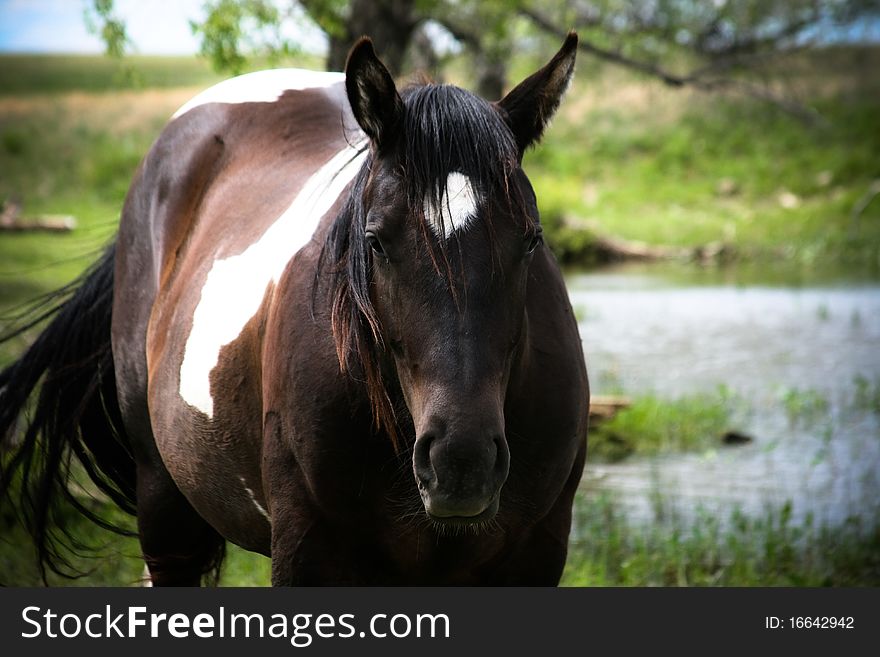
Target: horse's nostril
x,y
422,460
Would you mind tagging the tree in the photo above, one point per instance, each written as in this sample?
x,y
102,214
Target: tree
x,y
705,45
399,29
234,29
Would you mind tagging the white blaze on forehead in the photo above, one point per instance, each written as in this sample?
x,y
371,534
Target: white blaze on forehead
x,y
235,286
458,207
261,87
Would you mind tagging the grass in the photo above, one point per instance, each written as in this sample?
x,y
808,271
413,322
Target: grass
x,y
104,558
803,406
53,74
632,159
660,183
772,550
652,425
867,394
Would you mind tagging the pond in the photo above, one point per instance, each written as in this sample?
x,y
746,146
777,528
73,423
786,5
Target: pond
x,y
792,355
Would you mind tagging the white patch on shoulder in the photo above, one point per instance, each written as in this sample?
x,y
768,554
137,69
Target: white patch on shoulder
x,y
253,497
235,286
458,207
261,87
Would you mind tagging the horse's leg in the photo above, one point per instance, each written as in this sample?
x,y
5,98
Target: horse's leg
x,y
539,559
178,545
292,520
305,551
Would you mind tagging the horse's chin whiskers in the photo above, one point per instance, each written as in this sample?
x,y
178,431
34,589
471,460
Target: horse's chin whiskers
x,y
458,530
455,530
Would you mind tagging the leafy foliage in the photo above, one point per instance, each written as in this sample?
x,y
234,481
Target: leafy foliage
x,y
104,22
232,24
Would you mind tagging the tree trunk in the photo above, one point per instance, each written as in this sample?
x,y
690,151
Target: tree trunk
x,y
491,74
390,23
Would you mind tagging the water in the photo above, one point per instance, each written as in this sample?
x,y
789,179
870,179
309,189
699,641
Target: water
x,y
676,332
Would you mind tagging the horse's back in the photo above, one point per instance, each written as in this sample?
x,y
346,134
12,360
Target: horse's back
x,y
214,215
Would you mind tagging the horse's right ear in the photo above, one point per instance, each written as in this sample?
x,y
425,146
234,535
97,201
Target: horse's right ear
x,y
374,100
532,103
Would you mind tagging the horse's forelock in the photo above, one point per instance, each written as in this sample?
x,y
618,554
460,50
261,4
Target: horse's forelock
x,y
448,130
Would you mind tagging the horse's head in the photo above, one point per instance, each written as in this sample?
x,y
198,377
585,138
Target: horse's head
x,y
443,231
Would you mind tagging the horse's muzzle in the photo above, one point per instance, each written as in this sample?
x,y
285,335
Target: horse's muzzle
x,y
460,476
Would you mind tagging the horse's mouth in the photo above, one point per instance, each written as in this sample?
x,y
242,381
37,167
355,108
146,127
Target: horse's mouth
x,y
482,517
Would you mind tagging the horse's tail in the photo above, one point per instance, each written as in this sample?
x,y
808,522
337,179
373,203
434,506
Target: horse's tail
x,y
58,401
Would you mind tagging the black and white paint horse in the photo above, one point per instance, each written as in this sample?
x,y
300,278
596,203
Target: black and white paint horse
x,y
327,331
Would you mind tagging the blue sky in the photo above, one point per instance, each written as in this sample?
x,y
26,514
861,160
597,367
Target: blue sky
x,y
157,27
154,26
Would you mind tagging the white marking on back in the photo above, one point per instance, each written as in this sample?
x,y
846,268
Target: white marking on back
x,y
458,207
235,286
261,87
253,497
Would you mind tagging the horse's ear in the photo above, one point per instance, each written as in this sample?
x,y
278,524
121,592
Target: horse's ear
x,y
374,100
531,104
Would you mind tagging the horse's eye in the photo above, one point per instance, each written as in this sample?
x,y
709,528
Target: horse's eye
x,y
536,241
375,243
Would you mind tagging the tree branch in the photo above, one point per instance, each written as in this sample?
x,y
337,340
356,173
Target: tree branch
x,y
696,79
653,70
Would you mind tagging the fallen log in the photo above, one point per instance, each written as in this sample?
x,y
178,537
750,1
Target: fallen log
x,y
608,248
605,407
11,220
613,248
55,223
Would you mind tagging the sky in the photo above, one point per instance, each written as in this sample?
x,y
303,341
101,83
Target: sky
x,y
156,27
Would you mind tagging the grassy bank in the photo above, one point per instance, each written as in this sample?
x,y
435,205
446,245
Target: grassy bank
x,y
633,159
737,550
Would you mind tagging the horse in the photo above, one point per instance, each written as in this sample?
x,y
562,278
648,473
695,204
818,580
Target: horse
x,y
328,331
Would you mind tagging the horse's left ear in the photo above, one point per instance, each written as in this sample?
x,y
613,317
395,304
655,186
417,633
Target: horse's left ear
x,y
531,104
373,97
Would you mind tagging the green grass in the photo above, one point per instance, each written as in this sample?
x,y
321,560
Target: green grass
x,y
867,394
688,170
738,550
108,559
652,425
52,74
803,406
